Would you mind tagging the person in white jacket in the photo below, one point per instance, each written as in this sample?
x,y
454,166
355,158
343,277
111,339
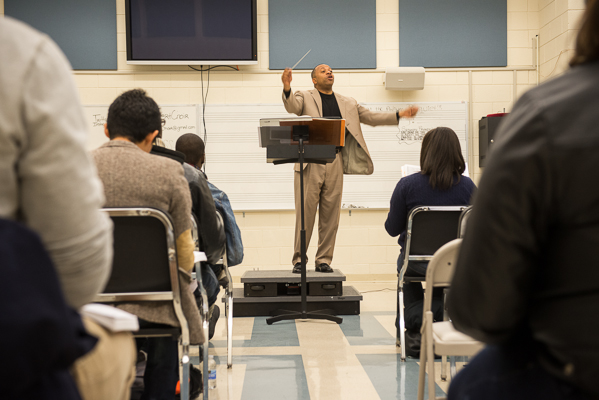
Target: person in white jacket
x,y
49,183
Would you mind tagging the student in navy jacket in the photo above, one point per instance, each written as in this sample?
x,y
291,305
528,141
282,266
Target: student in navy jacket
x,y
439,183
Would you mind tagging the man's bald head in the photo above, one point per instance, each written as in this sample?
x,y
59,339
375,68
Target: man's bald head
x,y
192,146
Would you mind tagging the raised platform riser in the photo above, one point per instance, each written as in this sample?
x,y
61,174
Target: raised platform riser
x,y
272,289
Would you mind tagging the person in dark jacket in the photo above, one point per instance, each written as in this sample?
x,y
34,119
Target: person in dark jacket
x,y
527,282
440,183
211,232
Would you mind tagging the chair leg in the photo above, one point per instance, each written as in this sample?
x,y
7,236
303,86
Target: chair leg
x,y
430,354
422,370
444,368
402,325
445,318
184,376
452,367
204,348
229,310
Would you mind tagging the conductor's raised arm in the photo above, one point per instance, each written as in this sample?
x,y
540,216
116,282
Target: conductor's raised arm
x,y
293,102
287,78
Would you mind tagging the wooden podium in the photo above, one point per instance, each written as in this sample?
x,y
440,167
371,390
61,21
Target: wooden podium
x,y
302,140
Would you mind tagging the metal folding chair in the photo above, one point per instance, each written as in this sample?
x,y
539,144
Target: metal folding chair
x,y
463,221
228,300
145,269
204,310
428,228
440,338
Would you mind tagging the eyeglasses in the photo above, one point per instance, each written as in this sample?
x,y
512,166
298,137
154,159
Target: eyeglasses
x,y
163,122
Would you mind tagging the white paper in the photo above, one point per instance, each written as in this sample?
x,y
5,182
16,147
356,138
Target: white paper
x,y
199,256
110,317
408,169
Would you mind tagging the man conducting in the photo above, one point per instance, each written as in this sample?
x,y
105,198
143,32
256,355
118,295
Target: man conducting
x,y
323,184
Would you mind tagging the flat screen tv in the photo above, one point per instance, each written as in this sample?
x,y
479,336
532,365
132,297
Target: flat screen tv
x,y
199,32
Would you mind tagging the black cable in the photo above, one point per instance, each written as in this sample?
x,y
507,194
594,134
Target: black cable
x,y
204,100
215,66
379,290
205,97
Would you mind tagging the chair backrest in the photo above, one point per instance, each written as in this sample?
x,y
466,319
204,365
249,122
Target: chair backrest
x,y
440,269
145,257
429,228
463,221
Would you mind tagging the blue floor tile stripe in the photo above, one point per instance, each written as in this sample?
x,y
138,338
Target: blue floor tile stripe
x,y
392,378
279,334
365,330
274,378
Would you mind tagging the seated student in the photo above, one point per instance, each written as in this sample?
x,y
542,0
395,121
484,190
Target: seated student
x,y
526,281
49,185
193,147
133,177
439,183
210,231
49,190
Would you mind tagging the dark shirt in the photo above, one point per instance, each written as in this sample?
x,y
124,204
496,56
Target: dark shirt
x,y
211,234
330,108
414,190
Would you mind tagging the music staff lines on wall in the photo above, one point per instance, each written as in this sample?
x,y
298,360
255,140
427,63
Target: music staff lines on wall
x,y
241,177
237,164
231,126
278,201
227,137
360,197
224,158
377,177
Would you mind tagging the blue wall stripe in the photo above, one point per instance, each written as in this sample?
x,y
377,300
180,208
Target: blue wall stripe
x,y
453,33
341,33
84,30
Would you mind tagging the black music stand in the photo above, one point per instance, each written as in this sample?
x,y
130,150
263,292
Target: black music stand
x,y
317,154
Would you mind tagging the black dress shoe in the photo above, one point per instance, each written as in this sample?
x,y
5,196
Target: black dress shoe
x,y
324,268
297,268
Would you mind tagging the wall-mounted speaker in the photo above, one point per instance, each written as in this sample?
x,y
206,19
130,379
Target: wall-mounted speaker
x,y
404,78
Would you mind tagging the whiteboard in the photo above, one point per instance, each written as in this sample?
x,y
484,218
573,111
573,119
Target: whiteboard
x,y
391,147
179,119
237,164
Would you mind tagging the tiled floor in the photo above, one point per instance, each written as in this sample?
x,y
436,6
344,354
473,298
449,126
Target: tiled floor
x,y
318,359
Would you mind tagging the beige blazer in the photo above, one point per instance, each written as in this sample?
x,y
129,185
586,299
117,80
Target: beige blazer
x,y
356,158
134,178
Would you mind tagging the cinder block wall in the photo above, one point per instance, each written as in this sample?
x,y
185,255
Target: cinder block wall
x,y
364,251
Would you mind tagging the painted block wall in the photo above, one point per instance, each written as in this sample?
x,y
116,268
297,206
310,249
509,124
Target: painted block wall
x,y
558,26
364,251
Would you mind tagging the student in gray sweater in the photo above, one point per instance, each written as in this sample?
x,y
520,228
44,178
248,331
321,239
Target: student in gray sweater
x,y
134,178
